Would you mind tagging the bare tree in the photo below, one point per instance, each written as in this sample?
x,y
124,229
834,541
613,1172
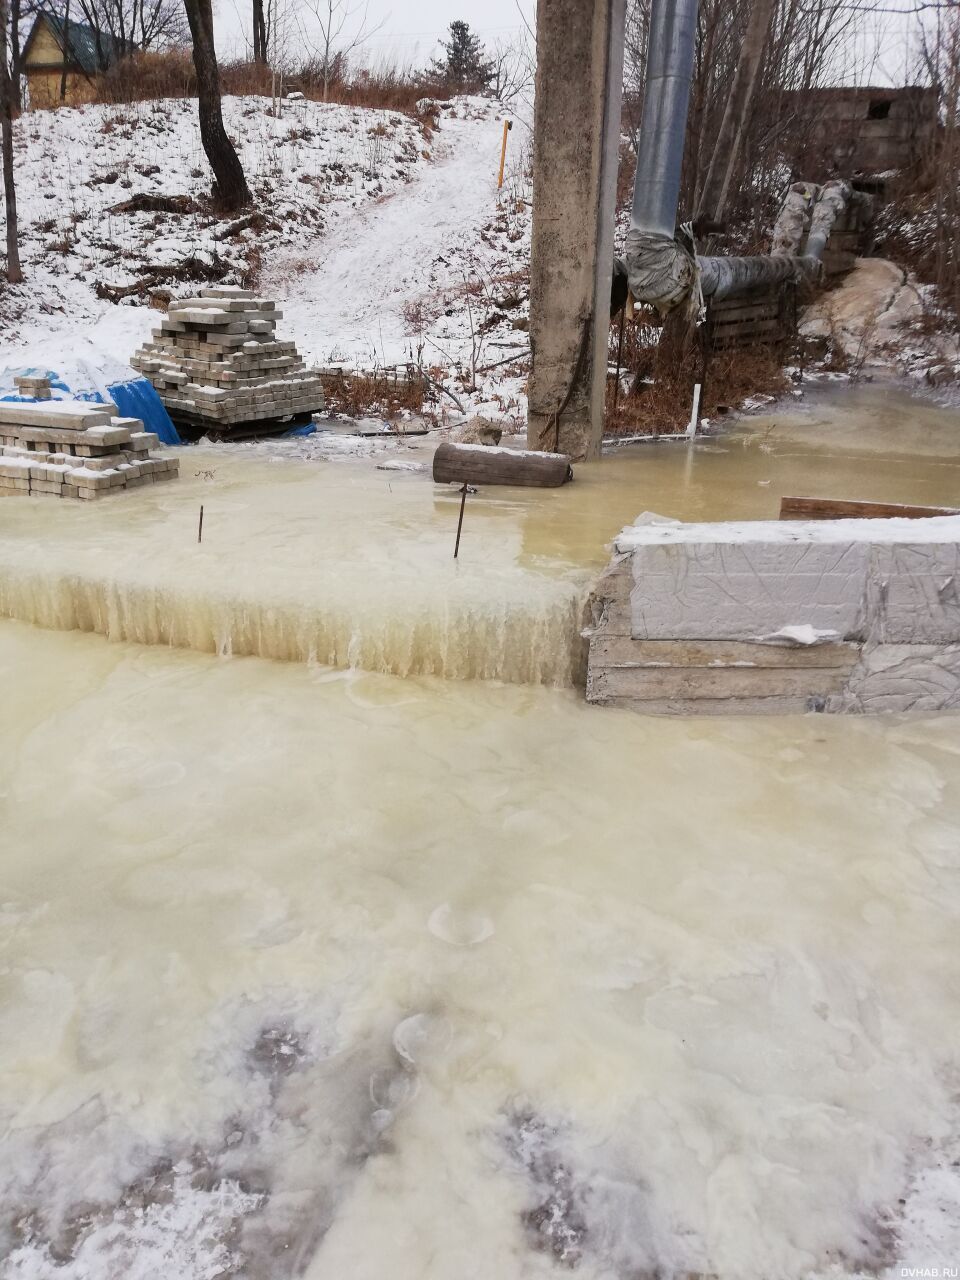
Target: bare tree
x,y
230,186
125,26
14,273
261,31
939,41
7,103
729,145
808,43
512,65
343,28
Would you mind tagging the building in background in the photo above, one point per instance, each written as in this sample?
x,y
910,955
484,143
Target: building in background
x,y
62,59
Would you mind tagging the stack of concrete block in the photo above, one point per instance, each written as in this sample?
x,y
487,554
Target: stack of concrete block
x,y
75,449
35,388
215,362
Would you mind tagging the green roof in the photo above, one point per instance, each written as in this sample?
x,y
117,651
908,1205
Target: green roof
x,y
82,43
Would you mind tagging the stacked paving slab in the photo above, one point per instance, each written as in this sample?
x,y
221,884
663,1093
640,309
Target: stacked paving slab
x,y
215,362
75,449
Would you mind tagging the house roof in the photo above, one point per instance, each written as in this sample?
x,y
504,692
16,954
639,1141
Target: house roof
x,y
80,42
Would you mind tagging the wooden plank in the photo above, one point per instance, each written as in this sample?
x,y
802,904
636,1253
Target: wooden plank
x,y
745,311
756,298
709,706
793,508
623,651
481,464
747,326
769,332
642,683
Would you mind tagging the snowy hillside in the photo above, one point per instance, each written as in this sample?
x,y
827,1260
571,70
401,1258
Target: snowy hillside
x,y
384,240
110,196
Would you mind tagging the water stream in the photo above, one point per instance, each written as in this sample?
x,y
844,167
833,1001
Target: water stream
x,y
324,973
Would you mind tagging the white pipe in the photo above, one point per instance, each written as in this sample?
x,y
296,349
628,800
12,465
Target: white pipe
x,y
694,413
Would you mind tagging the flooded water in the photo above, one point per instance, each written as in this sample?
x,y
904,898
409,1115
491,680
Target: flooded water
x,y
333,974
342,564
325,973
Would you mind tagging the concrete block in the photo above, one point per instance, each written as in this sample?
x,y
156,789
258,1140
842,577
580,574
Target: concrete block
x,y
144,440
15,468
233,291
74,415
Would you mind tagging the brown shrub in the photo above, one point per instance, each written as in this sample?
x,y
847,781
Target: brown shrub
x,y
145,76
170,74
662,395
380,393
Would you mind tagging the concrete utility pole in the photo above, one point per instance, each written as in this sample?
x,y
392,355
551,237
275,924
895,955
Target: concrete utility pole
x,y
575,152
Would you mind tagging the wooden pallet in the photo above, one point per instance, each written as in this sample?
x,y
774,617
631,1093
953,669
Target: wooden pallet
x,y
758,318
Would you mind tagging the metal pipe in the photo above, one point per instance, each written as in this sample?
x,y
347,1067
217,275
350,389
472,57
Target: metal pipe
x,y
666,98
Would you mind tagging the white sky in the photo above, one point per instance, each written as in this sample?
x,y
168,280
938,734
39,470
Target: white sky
x,y
405,31
409,32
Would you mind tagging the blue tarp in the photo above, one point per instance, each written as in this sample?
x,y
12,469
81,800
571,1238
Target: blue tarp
x,y
134,399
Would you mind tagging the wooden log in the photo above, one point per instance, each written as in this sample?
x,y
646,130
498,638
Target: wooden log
x,y
841,509
484,464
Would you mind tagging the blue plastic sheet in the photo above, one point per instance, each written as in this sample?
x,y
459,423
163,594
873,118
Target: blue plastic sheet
x,y
134,399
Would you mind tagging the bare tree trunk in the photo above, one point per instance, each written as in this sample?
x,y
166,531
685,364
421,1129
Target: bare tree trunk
x,y
230,188
66,52
14,274
16,53
726,153
259,33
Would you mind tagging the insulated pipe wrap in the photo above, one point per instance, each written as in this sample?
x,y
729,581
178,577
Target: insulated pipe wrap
x,y
727,277
660,271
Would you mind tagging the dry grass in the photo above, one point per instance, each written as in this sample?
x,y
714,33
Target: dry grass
x,y
662,392
381,394
149,76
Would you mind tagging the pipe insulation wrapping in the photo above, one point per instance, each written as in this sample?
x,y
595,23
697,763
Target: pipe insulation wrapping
x,y
830,205
794,217
660,271
727,277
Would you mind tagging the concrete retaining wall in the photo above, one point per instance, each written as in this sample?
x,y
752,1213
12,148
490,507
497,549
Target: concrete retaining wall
x,y
844,615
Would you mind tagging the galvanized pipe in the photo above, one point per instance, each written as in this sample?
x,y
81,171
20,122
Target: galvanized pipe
x,y
670,52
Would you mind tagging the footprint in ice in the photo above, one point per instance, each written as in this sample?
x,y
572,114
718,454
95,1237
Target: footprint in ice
x,y
420,1034
462,928
165,774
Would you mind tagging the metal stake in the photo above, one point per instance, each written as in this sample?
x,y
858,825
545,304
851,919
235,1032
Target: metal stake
x,y
463,503
200,525
507,126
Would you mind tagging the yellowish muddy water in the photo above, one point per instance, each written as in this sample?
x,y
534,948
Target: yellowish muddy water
x,y
342,564
324,973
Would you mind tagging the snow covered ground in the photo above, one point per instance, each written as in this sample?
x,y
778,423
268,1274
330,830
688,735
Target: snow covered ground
x,y
384,242
418,272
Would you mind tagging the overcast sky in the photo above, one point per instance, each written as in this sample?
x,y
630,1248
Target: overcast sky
x,y
409,32
406,31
